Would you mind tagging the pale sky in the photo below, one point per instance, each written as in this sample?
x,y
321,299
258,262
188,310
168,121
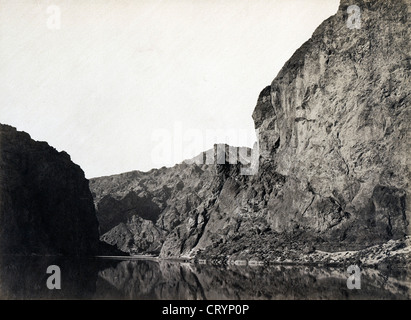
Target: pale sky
x,y
130,85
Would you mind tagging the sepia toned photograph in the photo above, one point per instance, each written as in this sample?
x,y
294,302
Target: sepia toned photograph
x,y
222,150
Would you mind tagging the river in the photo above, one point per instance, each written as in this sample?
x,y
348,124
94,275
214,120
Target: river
x,y
97,278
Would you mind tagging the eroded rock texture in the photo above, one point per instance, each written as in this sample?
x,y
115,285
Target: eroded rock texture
x,y
338,129
334,169
46,206
177,202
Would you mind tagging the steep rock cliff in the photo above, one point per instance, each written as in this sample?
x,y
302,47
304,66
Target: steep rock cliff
x,y
338,128
46,206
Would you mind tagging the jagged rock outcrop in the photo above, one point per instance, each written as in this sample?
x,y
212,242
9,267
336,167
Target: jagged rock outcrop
x,y
136,236
179,196
111,212
46,207
333,131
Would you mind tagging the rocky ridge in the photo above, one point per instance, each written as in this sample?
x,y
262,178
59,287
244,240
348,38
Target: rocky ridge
x,y
177,197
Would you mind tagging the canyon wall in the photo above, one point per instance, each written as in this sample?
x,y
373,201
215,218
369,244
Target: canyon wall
x,y
334,169
337,127
46,207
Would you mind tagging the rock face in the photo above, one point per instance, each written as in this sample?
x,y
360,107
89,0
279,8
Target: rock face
x,y
334,171
136,236
338,129
176,202
46,206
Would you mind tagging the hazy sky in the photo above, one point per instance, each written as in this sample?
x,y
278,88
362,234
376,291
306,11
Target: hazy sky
x,y
131,85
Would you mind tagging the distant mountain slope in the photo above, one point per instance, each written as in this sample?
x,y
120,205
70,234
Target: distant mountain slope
x,y
169,197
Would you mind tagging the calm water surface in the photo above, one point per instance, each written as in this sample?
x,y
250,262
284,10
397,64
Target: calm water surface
x,y
25,278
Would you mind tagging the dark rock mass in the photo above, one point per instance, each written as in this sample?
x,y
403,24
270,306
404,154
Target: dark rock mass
x,y
46,207
333,135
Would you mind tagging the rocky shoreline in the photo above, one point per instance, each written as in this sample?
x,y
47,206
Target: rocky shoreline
x,y
394,254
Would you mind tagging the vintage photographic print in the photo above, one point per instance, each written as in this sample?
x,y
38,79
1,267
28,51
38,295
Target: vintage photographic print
x,y
177,150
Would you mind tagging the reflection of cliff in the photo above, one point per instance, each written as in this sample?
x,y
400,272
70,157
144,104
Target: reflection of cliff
x,y
152,280
168,280
25,278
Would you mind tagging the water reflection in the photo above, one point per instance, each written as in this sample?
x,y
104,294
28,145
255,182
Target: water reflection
x,y
25,277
